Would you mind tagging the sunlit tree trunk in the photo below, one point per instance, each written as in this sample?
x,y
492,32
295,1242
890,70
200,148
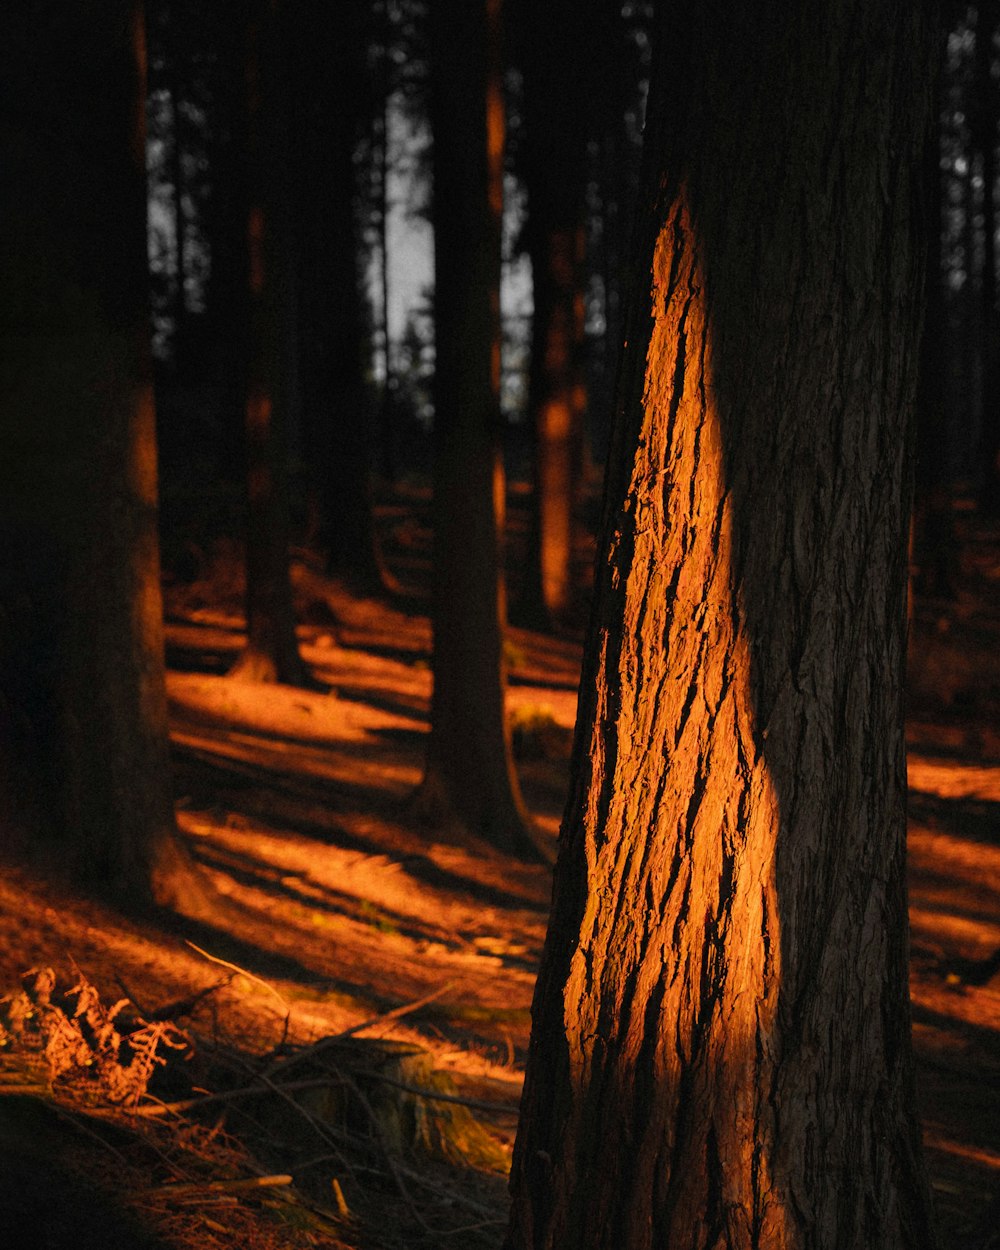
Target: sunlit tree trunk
x,y
720,1051
558,40
84,762
271,652
470,774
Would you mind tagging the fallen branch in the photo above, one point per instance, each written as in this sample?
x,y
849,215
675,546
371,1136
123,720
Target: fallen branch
x,y
153,1109
336,1039
474,1104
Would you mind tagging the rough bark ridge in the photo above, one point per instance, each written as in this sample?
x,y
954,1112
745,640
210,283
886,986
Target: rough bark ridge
x,y
720,1047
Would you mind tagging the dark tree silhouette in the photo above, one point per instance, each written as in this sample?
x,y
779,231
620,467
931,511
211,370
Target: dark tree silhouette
x,y
84,760
470,773
271,652
720,1052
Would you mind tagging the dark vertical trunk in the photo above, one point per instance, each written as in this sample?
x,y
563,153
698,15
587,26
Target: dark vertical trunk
x,y
558,40
338,412
388,416
271,653
83,744
174,53
985,122
470,774
934,543
720,1052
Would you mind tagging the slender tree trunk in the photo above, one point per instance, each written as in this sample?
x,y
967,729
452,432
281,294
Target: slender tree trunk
x,y
470,773
558,40
271,653
388,422
934,540
338,416
720,1052
985,120
84,762
175,78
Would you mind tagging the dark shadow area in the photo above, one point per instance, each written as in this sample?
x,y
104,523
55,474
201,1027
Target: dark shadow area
x,y
47,1203
285,803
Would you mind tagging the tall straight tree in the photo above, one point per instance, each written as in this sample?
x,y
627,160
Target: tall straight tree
x,y
559,51
83,726
328,97
985,115
272,651
470,773
720,1052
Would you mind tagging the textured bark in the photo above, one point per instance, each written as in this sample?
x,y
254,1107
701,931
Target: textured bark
x,y
720,1051
470,773
84,763
272,652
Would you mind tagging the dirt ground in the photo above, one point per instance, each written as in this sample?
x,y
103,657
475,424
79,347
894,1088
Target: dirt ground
x,y
342,909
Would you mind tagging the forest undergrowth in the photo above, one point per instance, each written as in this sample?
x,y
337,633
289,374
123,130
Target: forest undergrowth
x,y
337,1062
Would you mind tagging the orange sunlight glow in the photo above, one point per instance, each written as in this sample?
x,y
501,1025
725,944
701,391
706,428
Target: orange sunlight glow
x,y
706,856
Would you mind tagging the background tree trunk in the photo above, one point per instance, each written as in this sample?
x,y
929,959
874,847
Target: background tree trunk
x,y
984,122
83,720
272,652
720,1051
470,773
338,413
558,39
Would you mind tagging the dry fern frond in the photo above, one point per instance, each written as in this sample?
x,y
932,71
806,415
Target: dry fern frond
x,y
77,1035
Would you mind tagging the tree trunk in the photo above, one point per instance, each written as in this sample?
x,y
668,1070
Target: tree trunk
x,y
985,123
83,715
933,530
558,37
272,652
338,411
470,773
720,1052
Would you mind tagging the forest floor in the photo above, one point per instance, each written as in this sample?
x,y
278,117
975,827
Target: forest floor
x,y
346,918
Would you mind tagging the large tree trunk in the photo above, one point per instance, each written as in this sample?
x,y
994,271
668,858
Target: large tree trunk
x,y
720,1052
271,652
83,720
470,773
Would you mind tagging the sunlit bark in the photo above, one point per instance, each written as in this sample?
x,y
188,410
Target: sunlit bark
x,y
84,763
720,1052
470,774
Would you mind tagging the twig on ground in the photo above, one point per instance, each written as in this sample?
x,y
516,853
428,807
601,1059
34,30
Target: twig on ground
x,y
236,969
156,1108
327,1043
473,1103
